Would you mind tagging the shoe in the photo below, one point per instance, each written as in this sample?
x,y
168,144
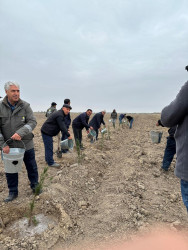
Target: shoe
x,y
55,165
11,197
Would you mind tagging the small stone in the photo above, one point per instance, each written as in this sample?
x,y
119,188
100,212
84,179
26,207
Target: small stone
x,y
74,165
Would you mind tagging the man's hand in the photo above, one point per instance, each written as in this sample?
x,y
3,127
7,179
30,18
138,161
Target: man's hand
x,y
157,124
70,137
6,149
91,127
16,137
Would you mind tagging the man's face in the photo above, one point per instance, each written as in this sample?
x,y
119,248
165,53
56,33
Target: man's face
x,y
89,112
66,110
103,113
13,94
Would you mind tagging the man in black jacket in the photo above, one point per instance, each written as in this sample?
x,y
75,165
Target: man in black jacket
x,y
79,123
97,120
67,123
51,127
170,149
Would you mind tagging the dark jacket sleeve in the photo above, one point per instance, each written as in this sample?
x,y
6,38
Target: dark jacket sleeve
x,y
83,120
175,112
160,123
62,126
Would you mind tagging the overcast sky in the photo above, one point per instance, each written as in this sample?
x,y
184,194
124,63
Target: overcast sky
x,y
102,54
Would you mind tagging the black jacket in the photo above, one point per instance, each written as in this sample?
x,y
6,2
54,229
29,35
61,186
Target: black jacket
x,y
129,118
171,130
54,124
81,121
96,121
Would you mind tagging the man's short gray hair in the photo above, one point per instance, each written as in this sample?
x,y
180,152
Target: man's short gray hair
x,y
11,83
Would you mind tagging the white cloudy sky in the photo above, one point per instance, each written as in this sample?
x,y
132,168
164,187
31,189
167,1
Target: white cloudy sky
x,y
102,54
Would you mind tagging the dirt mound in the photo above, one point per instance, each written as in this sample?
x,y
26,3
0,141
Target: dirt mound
x,y
115,192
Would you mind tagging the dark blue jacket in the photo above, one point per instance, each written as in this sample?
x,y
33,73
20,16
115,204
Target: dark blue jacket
x,y
54,124
121,117
96,121
67,120
81,121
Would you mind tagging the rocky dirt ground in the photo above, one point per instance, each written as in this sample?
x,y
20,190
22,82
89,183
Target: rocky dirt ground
x,y
116,192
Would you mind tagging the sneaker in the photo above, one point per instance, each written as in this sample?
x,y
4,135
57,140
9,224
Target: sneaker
x,y
55,165
11,197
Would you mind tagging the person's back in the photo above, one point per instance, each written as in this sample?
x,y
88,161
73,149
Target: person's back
x,y
96,121
176,114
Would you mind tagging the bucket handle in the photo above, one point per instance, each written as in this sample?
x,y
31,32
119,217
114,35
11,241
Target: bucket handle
x,y
10,139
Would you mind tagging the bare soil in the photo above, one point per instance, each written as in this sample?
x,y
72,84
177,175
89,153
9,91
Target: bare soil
x,y
116,192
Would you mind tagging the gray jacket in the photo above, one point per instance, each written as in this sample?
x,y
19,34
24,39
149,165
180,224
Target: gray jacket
x,y
20,121
50,111
176,113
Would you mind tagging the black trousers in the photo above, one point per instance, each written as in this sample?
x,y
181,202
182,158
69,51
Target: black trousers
x,y
77,135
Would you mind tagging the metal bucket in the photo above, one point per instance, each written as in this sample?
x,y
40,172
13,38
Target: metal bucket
x,y
91,134
156,136
67,144
13,160
104,131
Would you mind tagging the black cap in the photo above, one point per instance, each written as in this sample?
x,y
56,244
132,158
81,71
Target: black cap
x,y
53,104
67,106
186,68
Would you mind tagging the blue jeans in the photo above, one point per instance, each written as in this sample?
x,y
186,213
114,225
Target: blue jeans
x,y
48,146
169,153
32,172
184,192
131,123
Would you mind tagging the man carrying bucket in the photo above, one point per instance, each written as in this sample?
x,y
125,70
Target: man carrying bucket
x,y
97,120
51,127
17,122
79,123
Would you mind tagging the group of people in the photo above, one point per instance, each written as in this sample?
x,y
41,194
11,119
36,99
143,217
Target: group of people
x,y
122,117
17,123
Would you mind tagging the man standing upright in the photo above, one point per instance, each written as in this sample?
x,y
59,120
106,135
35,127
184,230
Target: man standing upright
x,y
96,121
67,123
17,122
176,114
79,123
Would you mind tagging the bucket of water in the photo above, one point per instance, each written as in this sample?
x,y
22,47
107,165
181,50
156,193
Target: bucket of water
x,y
103,131
156,136
91,134
67,144
13,160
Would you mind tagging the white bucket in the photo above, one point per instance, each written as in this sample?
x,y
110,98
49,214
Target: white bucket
x,y
13,160
91,134
156,136
67,144
103,131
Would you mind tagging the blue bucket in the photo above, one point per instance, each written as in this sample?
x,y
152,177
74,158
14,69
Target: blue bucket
x,y
91,134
